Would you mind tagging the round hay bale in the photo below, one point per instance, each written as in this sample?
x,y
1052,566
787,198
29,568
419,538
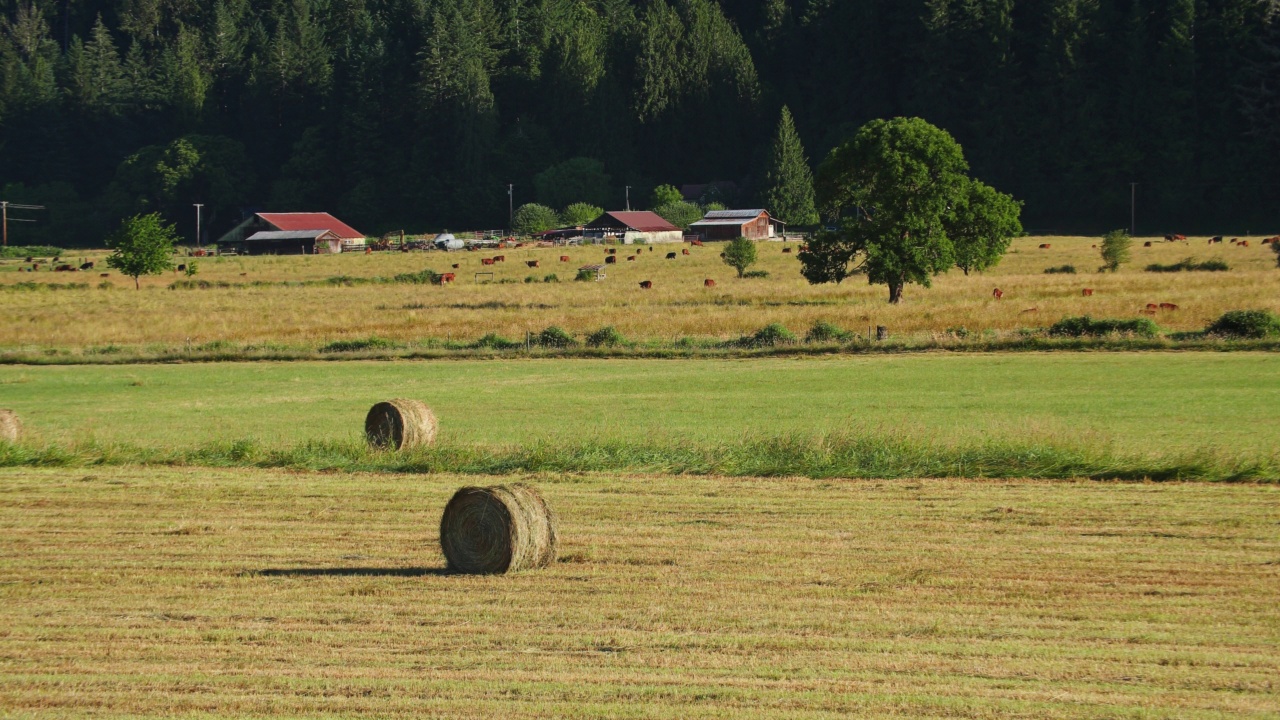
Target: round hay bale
x,y
399,424
495,530
10,426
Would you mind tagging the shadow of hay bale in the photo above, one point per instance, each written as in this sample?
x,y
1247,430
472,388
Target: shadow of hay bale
x,y
495,530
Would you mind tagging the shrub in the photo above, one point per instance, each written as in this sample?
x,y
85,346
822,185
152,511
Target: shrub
x,y
755,274
823,331
1190,264
1087,326
1246,324
606,337
493,341
1061,270
530,279
425,277
534,218
552,278
585,276
769,336
555,337
740,255
1115,250
369,343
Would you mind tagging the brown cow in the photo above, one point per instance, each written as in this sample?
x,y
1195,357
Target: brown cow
x,y
1179,237
646,285
685,251
1045,246
997,294
105,275
1168,306
1215,239
564,258
671,256
708,283
486,261
696,243
447,278
1152,306
611,260
456,266
631,258
533,263
1088,292
1244,243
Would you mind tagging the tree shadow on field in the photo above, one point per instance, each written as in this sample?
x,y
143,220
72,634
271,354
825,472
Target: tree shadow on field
x,y
355,572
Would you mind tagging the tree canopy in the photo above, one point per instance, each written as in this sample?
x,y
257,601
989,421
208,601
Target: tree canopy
x,y
142,245
907,209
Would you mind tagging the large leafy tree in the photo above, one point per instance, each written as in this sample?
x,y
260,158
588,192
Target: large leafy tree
x,y
896,189
788,180
981,225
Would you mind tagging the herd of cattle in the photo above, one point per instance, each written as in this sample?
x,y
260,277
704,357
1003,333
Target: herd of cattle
x,y
63,267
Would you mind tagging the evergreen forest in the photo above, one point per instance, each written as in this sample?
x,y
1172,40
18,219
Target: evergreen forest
x,y
420,114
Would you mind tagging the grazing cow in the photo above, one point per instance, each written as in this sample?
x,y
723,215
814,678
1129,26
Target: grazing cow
x,y
1152,306
486,261
499,258
456,266
997,294
685,251
1168,238
671,256
105,275
697,243
86,266
1045,246
533,263
447,278
650,249
1095,247
1168,306
1088,292
611,260
1235,240
646,285
1244,243
65,268
181,268
1215,239
31,259
1146,244
564,258
1179,237
708,283
786,251
631,258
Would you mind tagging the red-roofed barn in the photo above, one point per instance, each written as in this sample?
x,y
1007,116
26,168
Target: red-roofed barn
x,y
633,226
288,233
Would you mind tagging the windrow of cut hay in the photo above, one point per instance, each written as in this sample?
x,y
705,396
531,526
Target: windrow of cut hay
x,y
497,530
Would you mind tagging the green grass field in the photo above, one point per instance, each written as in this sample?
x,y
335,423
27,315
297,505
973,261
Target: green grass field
x,y
129,592
1137,402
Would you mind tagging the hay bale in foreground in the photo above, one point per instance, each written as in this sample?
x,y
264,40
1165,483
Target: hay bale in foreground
x,y
10,426
495,530
398,424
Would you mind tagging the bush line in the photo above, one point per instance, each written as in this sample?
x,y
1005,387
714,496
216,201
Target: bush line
x,y
830,456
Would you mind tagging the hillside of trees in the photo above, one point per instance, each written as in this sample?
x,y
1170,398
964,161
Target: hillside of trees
x,y
419,113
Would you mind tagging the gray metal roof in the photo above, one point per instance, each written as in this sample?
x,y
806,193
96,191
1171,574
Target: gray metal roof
x,y
289,235
734,214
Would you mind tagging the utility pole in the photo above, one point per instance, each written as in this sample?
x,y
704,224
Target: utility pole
x,y
1133,208
5,205
511,206
628,198
198,206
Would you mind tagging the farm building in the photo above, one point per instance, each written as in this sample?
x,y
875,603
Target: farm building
x,y
631,227
286,233
732,224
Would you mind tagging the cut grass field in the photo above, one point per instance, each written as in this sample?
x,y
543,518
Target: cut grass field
x,y
678,306
130,592
1137,402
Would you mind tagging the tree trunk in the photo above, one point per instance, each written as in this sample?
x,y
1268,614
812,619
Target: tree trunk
x,y
136,286
895,292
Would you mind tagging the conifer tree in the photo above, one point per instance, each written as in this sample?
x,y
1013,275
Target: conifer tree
x,y
789,181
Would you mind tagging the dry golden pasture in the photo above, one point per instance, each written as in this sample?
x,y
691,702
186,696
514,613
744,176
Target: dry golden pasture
x,y
679,305
164,592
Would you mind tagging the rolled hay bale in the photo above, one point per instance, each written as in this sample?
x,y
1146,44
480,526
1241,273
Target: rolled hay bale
x,y
10,426
400,424
495,530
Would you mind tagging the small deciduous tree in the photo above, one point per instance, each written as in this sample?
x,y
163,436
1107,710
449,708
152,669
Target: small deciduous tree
x,y
666,195
143,245
534,218
1115,250
581,213
740,255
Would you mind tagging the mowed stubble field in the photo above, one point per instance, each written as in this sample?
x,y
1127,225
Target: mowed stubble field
x,y
1161,403
678,306
131,592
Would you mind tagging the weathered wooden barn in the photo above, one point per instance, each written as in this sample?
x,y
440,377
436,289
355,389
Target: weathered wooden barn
x,y
731,224
267,228
631,227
